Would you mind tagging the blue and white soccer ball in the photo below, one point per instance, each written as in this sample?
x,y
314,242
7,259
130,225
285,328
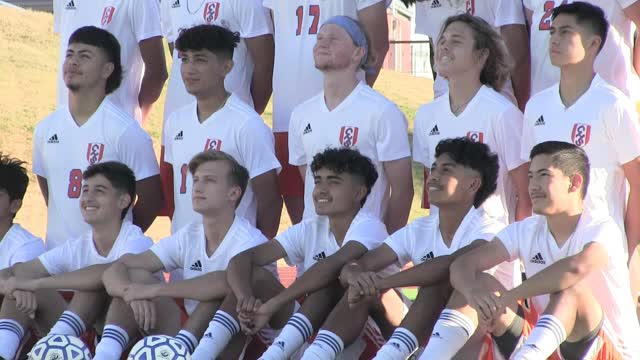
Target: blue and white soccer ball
x,y
60,347
159,347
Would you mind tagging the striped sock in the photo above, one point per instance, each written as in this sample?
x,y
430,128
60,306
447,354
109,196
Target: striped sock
x,y
450,333
401,344
297,331
114,340
188,339
11,332
221,329
69,323
326,346
545,338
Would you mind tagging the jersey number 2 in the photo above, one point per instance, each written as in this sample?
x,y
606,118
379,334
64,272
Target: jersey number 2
x,y
314,11
545,20
75,184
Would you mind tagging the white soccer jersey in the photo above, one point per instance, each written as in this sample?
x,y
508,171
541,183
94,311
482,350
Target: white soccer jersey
x,y
81,252
295,77
187,250
531,241
366,121
19,245
62,150
130,21
235,129
246,17
311,240
431,15
604,123
488,118
614,62
421,241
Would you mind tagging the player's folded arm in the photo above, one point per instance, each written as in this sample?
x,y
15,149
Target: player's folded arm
x,y
86,279
240,269
208,287
116,277
466,267
374,260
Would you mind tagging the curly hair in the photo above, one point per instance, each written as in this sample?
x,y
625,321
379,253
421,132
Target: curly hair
x,y
498,65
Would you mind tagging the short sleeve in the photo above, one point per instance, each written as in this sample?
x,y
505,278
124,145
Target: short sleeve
x,y
528,4
28,252
420,147
509,12
37,158
137,245
269,4
363,4
170,252
527,140
57,16
369,231
626,3
292,241
254,19
257,148
135,149
145,19
508,131
58,260
401,244
624,131
487,230
166,23
297,154
509,238
392,135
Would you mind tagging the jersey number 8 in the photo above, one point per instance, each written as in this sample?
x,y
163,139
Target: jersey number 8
x,y
75,184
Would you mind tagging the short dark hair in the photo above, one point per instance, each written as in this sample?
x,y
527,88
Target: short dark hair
x,y
217,39
119,175
587,15
104,40
568,158
13,177
350,161
238,174
476,156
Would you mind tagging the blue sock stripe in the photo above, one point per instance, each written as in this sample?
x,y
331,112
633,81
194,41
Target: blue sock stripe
x,y
301,325
551,325
457,321
187,342
115,335
403,338
74,326
227,322
331,342
12,327
299,329
73,318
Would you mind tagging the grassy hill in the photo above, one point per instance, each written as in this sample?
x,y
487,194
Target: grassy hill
x,y
28,71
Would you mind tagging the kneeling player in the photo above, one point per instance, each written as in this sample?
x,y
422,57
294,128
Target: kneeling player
x,y
324,243
108,191
463,175
576,270
202,249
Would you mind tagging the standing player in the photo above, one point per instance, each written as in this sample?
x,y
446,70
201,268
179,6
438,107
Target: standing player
x,y
506,16
462,177
88,130
619,61
219,120
295,78
136,25
583,109
340,233
577,278
107,193
348,113
472,56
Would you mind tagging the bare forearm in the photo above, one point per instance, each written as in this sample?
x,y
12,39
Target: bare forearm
x,y
261,86
462,275
239,274
632,226
398,209
425,274
116,279
211,286
636,55
517,41
523,207
268,220
87,279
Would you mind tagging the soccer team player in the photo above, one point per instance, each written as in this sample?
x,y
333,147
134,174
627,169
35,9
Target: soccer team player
x,y
572,159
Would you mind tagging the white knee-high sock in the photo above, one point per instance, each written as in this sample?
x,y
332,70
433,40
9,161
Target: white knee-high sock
x,y
114,341
221,329
451,332
326,346
69,323
297,331
545,338
188,340
401,344
11,333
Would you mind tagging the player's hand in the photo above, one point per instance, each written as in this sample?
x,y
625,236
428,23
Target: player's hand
x,y
25,301
260,318
486,303
248,306
144,312
140,292
366,284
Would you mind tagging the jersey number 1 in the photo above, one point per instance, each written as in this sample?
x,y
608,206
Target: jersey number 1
x,y
183,178
314,10
545,20
75,184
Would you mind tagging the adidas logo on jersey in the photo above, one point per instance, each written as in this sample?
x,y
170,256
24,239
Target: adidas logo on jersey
x,y
434,131
307,129
320,256
435,4
197,266
53,139
179,136
176,4
540,121
429,256
71,5
538,259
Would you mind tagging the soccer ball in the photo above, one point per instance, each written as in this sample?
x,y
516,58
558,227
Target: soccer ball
x,y
159,347
60,347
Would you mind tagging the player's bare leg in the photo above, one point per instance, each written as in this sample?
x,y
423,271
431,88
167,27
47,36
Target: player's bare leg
x,y
81,314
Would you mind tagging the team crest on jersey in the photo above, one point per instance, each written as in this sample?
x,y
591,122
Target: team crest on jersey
x,y
581,134
213,144
95,151
471,7
475,136
107,15
348,136
211,11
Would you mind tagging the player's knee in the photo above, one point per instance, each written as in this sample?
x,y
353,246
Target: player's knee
x,y
142,276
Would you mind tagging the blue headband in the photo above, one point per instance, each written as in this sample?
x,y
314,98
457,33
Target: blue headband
x,y
355,32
